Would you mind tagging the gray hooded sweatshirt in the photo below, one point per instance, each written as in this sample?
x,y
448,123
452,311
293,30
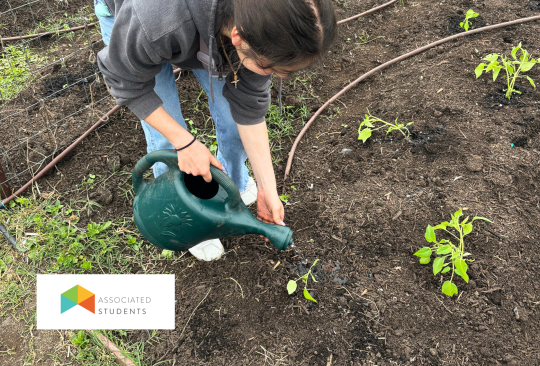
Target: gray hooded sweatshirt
x,y
147,33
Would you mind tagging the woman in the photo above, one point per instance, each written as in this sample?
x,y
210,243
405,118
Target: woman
x,y
246,40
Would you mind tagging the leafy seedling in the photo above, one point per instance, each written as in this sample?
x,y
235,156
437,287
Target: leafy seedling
x,y
370,124
292,285
284,198
465,24
449,257
513,68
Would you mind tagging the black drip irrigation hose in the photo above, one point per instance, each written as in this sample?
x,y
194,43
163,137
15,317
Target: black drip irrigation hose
x,y
10,239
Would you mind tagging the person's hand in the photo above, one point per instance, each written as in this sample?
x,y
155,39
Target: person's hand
x,y
196,160
270,208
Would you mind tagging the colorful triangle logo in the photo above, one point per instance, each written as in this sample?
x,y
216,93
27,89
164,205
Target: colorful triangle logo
x,y
77,295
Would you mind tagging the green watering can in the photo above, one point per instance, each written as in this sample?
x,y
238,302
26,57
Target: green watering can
x,y
177,211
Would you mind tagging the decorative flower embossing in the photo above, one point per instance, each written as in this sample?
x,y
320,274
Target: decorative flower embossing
x,y
174,219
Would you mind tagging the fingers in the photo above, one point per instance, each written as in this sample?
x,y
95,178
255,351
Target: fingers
x,y
277,218
207,176
215,162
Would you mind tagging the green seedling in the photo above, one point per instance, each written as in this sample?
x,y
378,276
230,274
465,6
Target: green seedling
x,y
449,257
370,124
292,285
284,198
470,14
513,68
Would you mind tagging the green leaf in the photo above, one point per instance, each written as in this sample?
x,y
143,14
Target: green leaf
x,y
458,214
425,260
491,57
308,296
461,24
492,65
526,66
466,26
449,289
461,265
445,249
480,218
479,70
430,235
496,71
291,287
447,269
438,265
467,229
442,225
2,266
514,51
424,252
531,81
364,134
510,69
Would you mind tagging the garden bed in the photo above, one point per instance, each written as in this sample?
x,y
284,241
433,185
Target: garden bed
x,y
364,213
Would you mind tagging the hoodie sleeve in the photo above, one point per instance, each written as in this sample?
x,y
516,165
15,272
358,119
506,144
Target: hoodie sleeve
x,y
251,100
130,63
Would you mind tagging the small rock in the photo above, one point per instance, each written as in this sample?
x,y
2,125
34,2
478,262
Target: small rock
x,y
345,151
437,113
433,352
484,351
474,163
482,328
398,332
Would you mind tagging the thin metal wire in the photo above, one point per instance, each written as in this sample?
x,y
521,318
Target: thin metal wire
x,y
61,85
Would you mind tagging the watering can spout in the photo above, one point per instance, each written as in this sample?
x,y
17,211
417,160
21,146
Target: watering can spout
x,y
176,212
280,236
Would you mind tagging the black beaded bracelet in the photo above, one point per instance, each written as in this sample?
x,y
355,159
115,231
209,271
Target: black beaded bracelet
x,y
188,145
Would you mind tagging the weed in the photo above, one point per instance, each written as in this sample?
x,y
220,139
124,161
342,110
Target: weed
x,y
15,72
512,68
284,198
367,127
47,232
470,14
448,251
280,126
292,285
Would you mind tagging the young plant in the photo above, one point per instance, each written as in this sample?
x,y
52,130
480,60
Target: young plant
x,y
292,285
470,14
449,256
369,125
513,68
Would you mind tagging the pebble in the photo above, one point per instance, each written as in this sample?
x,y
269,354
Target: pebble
x,y
482,328
433,352
345,151
474,163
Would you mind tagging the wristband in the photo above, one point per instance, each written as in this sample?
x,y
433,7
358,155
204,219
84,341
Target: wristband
x,y
188,145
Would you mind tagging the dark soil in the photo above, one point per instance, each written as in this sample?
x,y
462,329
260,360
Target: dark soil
x,y
364,213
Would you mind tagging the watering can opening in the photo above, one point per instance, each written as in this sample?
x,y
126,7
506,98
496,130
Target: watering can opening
x,y
197,186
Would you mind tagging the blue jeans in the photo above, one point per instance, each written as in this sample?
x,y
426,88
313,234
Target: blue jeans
x,y
231,152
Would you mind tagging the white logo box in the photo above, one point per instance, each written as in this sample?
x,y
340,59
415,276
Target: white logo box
x,y
121,301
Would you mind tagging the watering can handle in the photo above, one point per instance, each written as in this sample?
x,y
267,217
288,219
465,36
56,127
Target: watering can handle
x,y
170,158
